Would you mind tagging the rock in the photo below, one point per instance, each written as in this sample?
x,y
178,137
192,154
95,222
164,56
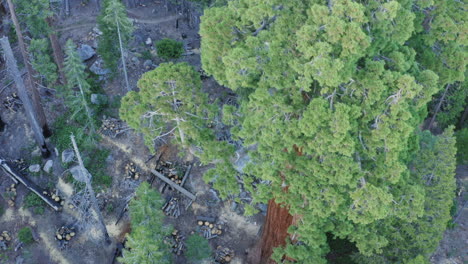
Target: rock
x,y
77,174
96,68
243,195
110,159
86,52
148,41
97,31
147,64
68,155
36,152
233,206
48,166
99,99
135,60
35,168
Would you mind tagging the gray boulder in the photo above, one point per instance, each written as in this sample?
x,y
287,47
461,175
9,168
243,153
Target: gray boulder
x,y
35,168
86,52
99,99
68,155
48,166
77,174
97,68
148,64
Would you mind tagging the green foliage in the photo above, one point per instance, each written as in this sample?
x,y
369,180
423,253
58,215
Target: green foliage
x,y
32,200
2,210
462,146
113,18
34,13
169,96
25,235
95,162
169,49
41,60
331,97
198,248
145,244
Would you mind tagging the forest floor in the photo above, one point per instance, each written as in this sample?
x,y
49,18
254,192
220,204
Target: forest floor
x,y
150,21
240,233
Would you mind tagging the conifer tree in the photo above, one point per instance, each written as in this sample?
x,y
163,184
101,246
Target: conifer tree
x,y
114,24
76,75
41,60
145,244
169,96
332,95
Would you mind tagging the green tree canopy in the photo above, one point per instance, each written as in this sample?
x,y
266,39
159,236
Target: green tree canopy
x,y
145,244
332,94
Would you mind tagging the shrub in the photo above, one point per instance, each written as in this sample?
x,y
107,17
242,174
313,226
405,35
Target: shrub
x,y
32,200
169,49
462,146
25,235
197,248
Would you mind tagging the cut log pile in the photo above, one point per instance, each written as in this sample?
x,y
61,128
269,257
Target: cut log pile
x,y
176,242
208,228
63,235
5,238
223,255
113,127
54,196
12,102
171,171
11,195
132,172
20,164
172,207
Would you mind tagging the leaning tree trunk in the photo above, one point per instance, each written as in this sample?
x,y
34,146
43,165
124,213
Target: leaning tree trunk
x,y
437,109
2,124
36,99
464,117
123,57
23,95
57,51
275,232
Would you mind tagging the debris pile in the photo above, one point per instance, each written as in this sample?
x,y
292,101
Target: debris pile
x,y
223,255
64,235
131,171
113,127
20,164
172,207
208,228
176,241
11,195
4,239
171,171
12,102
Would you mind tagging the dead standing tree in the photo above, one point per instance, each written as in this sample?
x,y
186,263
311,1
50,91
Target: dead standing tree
x,y
87,202
36,99
31,112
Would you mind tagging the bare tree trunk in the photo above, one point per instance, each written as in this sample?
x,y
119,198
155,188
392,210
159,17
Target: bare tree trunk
x,y
439,105
88,112
57,51
87,178
23,95
275,232
123,58
36,99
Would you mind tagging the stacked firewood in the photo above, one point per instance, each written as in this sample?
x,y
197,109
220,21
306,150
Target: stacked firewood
x,y
223,255
4,239
131,171
172,207
12,102
54,196
176,242
113,127
208,228
11,195
20,164
63,235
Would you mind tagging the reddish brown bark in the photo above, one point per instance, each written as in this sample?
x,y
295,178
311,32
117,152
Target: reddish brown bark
x,y
57,51
275,232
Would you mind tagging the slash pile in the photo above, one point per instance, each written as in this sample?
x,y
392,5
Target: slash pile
x,y
64,235
131,171
4,238
113,127
176,241
223,255
172,207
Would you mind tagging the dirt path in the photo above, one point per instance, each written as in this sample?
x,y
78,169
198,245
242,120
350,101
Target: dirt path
x,y
136,19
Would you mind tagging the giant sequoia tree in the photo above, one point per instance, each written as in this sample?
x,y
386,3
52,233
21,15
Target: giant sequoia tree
x,y
332,94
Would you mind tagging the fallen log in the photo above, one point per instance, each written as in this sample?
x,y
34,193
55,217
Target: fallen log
x,y
17,177
174,185
187,174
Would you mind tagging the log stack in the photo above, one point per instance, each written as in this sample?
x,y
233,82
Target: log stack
x,y
11,195
208,228
12,102
113,127
5,238
172,207
54,197
131,171
63,235
223,255
176,241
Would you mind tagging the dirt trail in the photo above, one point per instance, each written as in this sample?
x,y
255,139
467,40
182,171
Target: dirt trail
x,y
134,18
